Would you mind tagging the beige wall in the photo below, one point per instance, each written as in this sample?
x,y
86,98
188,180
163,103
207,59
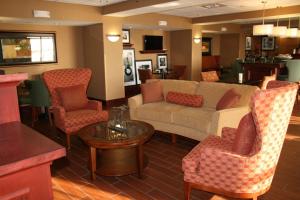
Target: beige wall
x,y
68,43
114,70
196,63
229,48
136,38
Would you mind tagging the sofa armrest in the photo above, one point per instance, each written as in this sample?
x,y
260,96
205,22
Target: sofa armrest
x,y
133,103
227,118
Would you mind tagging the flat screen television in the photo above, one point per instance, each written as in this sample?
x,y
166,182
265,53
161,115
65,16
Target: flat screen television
x,y
153,42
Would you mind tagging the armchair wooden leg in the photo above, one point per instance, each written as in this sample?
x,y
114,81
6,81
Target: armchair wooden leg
x,y
187,190
68,138
50,116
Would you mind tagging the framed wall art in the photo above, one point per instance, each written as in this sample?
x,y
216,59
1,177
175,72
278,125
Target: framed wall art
x,y
267,43
248,44
129,67
142,64
126,36
206,46
162,61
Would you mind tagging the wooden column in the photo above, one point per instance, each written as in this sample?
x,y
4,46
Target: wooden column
x,y
9,107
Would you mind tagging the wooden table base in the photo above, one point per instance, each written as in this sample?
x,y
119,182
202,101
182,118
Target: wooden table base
x,y
117,162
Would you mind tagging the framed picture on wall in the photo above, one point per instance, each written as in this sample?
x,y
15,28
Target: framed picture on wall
x,y
248,45
126,36
206,46
142,64
162,61
267,43
129,67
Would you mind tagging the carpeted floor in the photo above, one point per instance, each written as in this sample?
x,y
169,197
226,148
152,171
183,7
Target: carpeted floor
x,y
163,178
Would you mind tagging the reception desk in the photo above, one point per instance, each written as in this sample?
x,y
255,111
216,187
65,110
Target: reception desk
x,y
257,71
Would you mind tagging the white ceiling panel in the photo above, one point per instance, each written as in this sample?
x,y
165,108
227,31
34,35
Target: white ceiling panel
x,y
90,2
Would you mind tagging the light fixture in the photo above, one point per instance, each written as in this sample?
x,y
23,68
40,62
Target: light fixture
x,y
165,5
291,32
197,40
213,5
279,31
113,38
263,29
41,14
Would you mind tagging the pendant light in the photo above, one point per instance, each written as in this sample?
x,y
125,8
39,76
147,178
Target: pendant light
x,y
291,32
279,31
263,29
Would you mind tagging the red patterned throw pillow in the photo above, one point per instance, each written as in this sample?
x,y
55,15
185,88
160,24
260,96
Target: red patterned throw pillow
x,y
245,135
184,99
228,100
73,97
152,92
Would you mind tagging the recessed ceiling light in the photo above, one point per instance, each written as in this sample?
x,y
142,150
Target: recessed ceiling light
x,y
213,5
164,5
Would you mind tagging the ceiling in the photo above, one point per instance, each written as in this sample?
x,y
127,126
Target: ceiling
x,y
190,8
90,2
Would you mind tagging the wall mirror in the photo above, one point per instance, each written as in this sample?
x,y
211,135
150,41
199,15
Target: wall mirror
x,y
19,48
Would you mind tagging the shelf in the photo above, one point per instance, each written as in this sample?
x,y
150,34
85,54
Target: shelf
x,y
127,45
153,51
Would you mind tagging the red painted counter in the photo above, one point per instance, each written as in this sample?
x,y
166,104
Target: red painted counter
x,y
25,159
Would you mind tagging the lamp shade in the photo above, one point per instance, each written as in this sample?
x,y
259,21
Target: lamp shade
x,y
113,38
263,29
292,32
279,31
298,34
197,40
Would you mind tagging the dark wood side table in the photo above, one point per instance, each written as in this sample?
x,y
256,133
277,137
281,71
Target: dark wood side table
x,y
25,159
121,153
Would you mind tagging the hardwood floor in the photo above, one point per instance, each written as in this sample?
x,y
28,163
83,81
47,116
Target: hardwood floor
x,y
163,178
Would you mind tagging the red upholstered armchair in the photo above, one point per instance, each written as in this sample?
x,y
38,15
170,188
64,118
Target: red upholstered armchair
x,y
213,166
72,83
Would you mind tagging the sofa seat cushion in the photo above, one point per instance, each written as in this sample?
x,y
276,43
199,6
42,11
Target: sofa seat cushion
x,y
197,118
158,111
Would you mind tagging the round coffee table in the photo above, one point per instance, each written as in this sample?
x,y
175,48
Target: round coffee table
x,y
120,153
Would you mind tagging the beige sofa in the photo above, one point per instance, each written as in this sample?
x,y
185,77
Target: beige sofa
x,y
191,122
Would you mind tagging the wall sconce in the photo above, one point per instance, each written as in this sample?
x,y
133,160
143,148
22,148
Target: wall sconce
x,y
113,38
197,40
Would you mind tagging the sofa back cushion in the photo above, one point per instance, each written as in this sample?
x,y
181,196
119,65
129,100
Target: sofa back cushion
x,y
184,99
213,91
228,100
183,86
152,92
72,97
245,135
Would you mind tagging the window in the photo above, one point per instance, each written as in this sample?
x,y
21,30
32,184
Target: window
x,y
27,48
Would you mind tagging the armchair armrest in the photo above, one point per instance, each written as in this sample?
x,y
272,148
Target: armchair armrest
x,y
94,105
59,115
227,118
228,134
133,103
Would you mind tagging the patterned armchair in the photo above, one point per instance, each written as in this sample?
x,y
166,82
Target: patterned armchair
x,y
71,121
210,76
213,166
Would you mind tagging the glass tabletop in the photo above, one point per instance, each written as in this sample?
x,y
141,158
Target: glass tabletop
x,y
101,134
